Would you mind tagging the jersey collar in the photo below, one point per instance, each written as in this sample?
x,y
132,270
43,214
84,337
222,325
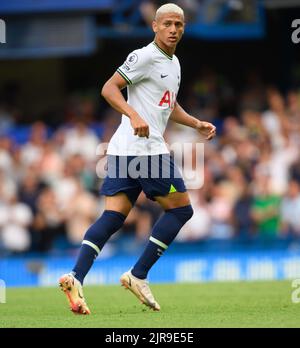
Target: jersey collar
x,y
162,51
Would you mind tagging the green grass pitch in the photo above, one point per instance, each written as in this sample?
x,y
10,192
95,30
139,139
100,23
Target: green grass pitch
x,y
231,304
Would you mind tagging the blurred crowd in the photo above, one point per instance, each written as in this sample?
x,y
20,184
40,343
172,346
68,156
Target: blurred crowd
x,y
49,185
252,169
142,12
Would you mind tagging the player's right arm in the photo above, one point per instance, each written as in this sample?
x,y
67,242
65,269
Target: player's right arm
x,y
111,91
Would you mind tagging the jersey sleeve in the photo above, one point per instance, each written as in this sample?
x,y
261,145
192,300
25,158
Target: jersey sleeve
x,y
136,66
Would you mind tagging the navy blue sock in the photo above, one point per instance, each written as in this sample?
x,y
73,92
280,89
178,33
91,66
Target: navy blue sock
x,y
95,238
163,233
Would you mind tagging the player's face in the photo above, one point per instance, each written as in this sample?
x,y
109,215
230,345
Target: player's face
x,y
169,28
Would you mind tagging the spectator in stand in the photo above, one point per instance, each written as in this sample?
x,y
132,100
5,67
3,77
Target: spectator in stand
x,y
49,220
252,122
242,218
80,140
65,188
51,163
290,210
81,169
81,211
276,164
221,209
293,113
6,159
29,190
295,170
274,119
32,151
265,209
8,187
15,220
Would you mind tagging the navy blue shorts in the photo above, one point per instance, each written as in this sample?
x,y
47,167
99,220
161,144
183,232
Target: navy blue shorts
x,y
155,175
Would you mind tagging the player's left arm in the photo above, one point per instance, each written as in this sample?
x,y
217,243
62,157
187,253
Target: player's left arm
x,y
180,116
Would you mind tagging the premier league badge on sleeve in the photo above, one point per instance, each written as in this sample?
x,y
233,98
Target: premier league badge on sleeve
x,y
132,59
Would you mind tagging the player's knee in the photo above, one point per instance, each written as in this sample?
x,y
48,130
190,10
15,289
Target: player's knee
x,y
183,213
188,212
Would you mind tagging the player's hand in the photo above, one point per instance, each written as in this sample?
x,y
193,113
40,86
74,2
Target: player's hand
x,y
139,126
206,129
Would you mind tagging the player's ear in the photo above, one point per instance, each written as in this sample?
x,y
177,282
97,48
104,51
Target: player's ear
x,y
154,26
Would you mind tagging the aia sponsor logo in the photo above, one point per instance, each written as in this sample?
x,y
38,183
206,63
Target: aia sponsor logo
x,y
169,98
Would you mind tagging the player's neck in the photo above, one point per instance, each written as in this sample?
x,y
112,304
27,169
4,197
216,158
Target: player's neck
x,y
169,50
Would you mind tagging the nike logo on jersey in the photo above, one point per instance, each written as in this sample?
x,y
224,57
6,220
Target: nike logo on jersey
x,y
163,76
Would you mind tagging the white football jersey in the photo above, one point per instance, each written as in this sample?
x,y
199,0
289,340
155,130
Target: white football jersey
x,y
153,79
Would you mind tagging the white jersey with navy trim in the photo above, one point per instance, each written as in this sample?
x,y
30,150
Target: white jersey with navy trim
x,y
153,79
